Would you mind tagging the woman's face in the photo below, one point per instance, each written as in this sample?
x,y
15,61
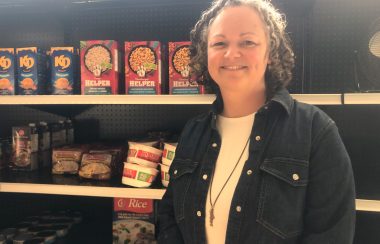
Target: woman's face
x,y
237,49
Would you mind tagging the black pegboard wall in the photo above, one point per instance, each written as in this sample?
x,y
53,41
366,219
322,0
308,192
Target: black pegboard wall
x,y
338,27
122,122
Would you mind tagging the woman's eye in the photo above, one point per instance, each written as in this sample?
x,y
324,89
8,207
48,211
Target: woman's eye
x,y
218,44
248,43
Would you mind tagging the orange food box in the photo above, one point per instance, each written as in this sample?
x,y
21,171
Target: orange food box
x,y
180,81
99,67
143,67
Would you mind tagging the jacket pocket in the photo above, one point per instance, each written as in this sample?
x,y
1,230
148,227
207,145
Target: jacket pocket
x,y
181,172
282,195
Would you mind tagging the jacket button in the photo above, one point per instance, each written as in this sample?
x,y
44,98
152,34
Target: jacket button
x,y
249,172
175,172
199,213
296,177
214,145
238,209
204,177
258,138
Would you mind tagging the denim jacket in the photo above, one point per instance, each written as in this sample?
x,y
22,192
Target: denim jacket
x,y
297,185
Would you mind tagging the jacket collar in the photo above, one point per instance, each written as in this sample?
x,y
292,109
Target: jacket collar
x,y
281,97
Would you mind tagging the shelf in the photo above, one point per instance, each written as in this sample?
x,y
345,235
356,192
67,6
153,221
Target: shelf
x,y
43,182
362,98
367,205
106,99
317,99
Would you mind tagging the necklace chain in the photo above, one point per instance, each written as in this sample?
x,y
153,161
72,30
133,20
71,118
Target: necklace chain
x,y
212,216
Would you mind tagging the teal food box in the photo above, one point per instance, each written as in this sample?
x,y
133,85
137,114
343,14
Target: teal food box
x,y
7,71
63,70
31,68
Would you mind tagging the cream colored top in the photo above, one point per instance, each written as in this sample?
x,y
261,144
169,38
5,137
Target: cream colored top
x,y
234,133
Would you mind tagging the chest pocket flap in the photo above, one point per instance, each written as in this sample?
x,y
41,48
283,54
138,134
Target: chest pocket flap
x,y
182,167
293,171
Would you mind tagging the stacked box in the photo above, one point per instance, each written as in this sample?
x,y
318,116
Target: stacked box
x,y
7,71
180,81
99,67
143,67
31,70
63,61
133,221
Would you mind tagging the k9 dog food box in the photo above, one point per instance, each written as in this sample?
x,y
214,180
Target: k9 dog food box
x,y
99,67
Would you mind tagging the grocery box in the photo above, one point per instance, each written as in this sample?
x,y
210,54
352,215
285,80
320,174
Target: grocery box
x,y
99,67
143,67
180,80
31,71
63,74
7,71
133,221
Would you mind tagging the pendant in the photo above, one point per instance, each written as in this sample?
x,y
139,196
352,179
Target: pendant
x,y
212,216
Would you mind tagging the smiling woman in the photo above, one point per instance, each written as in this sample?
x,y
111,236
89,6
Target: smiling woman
x,y
260,167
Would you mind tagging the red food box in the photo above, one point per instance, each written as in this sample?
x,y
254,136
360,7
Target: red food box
x,y
180,81
143,67
99,61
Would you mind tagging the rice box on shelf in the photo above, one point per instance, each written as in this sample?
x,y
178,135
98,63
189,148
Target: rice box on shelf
x,y
63,70
99,67
31,71
180,81
7,71
133,221
143,67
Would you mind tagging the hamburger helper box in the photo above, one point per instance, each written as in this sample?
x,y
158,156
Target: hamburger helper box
x,y
180,81
31,71
63,63
7,71
99,61
143,67
133,221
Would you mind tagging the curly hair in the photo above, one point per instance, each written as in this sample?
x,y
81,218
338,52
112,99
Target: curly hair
x,y
278,73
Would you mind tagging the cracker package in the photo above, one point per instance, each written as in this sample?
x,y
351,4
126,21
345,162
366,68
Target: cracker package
x,y
180,81
7,71
143,67
63,61
133,221
31,71
99,67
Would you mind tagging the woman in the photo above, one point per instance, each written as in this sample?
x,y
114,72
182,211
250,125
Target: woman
x,y
260,167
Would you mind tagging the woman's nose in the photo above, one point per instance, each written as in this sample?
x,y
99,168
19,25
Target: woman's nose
x,y
232,52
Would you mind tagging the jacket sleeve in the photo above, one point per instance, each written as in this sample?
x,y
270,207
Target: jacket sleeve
x,y
330,200
169,232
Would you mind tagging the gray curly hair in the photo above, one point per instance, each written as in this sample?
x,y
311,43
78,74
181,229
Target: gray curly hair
x,y
279,71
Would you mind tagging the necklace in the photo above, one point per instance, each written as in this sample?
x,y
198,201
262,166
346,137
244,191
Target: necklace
x,y
212,216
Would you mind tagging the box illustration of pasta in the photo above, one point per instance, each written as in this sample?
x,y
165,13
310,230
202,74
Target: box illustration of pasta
x,y
99,67
31,70
63,70
143,67
7,71
180,81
